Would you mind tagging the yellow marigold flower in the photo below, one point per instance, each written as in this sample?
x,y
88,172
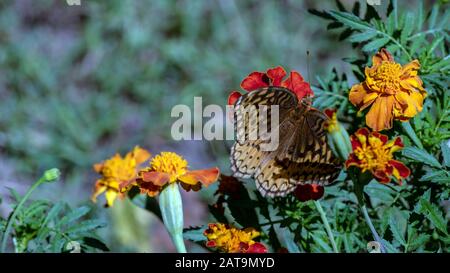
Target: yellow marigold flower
x,y
393,91
169,167
232,240
373,152
118,170
332,124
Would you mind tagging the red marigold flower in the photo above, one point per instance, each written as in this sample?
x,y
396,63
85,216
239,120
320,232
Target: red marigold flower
x,y
274,77
308,192
373,152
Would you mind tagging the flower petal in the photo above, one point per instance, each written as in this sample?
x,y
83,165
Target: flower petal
x,y
110,196
157,178
233,97
296,84
99,189
411,68
352,161
140,155
98,167
276,75
360,97
400,170
255,81
381,176
256,248
380,115
411,103
206,177
382,55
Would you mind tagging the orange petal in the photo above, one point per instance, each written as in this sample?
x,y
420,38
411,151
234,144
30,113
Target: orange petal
x,y
411,103
411,69
157,178
140,155
358,95
381,113
98,167
206,177
382,55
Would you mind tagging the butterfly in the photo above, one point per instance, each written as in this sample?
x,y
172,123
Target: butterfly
x,y
303,155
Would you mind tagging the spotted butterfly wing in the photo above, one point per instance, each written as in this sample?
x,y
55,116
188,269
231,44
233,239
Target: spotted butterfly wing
x,y
302,156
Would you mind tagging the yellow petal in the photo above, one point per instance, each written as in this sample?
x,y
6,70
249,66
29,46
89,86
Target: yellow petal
x,y
140,155
110,197
411,103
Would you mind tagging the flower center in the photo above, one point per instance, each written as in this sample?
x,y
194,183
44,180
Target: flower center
x,y
374,156
387,77
170,163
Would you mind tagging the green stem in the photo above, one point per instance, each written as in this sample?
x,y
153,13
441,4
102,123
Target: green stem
x,y
372,228
16,211
327,225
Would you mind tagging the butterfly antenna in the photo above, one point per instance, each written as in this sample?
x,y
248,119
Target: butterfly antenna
x,y
308,99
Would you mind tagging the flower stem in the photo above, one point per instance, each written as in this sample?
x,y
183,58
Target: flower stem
x,y
48,176
327,225
372,228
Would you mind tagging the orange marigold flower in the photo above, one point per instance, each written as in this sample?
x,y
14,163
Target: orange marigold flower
x,y
169,167
373,152
393,91
274,77
229,239
117,170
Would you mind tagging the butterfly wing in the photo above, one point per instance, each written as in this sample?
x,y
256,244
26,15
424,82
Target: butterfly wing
x,y
246,153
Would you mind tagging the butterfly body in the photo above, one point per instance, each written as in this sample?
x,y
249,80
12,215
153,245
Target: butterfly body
x,y
302,156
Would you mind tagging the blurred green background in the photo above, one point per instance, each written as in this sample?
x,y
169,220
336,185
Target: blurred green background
x,y
79,83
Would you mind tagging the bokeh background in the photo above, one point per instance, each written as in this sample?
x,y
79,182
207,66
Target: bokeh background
x,y
80,83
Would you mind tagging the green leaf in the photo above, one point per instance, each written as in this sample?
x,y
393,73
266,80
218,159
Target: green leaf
x,y
418,241
195,234
86,226
408,27
350,20
433,214
396,230
435,44
362,36
445,148
420,155
74,215
53,213
375,44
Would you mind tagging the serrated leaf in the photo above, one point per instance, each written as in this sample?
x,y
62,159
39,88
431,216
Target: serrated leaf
x,y
350,20
420,155
396,230
389,247
74,215
434,45
375,44
362,36
85,226
418,241
434,215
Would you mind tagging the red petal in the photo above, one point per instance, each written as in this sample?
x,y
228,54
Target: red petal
x,y
233,97
303,192
211,244
256,248
355,142
381,176
363,131
398,142
296,84
276,75
330,112
383,138
317,192
157,178
352,161
401,168
255,81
